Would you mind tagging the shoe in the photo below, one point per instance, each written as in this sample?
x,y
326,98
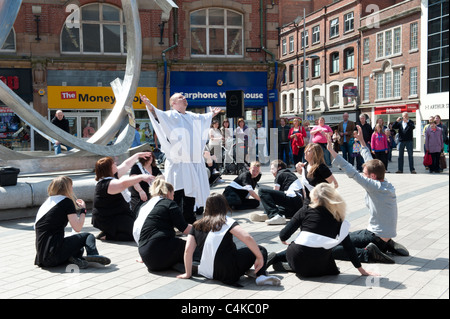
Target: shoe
x,y
80,262
398,172
377,256
413,172
270,258
258,217
267,280
282,267
397,248
276,220
98,259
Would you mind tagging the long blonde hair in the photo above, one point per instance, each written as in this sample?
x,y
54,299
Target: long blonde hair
x,y
317,158
62,185
327,196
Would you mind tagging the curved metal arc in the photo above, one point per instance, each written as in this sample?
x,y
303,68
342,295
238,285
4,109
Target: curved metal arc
x,y
8,13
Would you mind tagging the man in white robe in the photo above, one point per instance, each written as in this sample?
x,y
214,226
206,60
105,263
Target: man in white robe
x,y
183,136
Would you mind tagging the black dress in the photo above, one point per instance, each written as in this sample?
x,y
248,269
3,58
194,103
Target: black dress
x,y
112,214
313,262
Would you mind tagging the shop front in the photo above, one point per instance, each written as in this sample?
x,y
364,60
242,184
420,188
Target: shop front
x,y
390,114
14,132
205,89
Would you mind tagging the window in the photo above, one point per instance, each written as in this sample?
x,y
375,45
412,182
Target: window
x,y
306,70
291,102
217,32
366,81
438,47
316,34
334,95
380,86
101,30
316,102
388,85
316,68
283,47
334,62
291,44
397,79
10,43
284,104
304,38
413,81
349,22
389,43
366,52
334,27
349,59
291,73
413,36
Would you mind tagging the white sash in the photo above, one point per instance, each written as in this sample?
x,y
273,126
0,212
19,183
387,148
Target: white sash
x,y
47,205
212,243
295,186
313,240
125,193
143,213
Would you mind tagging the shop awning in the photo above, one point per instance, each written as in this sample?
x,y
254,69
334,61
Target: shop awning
x,y
394,109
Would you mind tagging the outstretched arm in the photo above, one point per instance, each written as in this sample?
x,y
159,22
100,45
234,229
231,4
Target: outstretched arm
x,y
150,107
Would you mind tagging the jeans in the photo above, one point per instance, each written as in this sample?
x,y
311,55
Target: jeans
x,y
283,148
401,151
347,151
326,154
58,148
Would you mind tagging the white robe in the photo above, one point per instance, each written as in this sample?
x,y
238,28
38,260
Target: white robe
x,y
183,138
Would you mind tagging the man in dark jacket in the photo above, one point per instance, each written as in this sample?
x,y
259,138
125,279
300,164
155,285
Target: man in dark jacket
x,y
60,121
405,129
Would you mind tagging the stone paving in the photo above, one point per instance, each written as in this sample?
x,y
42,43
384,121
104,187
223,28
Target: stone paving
x,y
423,227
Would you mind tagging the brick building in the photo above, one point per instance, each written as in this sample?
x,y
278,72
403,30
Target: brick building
x,y
232,43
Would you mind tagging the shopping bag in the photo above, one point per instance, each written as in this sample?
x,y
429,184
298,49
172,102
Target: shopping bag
x,y
427,160
442,161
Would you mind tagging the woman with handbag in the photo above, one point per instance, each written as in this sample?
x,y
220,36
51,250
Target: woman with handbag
x,y
296,135
434,145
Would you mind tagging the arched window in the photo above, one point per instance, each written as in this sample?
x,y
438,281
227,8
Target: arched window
x,y
10,42
216,32
97,29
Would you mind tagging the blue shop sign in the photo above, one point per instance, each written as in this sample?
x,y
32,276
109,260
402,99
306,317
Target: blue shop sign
x,y
209,88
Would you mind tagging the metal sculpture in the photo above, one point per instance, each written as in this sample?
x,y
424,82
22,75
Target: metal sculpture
x,y
124,92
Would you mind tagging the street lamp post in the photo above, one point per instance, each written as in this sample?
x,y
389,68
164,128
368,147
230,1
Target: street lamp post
x,y
304,66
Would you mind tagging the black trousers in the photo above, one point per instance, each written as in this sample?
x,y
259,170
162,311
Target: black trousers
x,y
186,205
73,246
162,253
236,202
277,202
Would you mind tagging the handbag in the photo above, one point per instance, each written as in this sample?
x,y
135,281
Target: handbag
x,y
442,161
427,160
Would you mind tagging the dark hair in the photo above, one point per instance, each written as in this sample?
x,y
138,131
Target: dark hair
x,y
214,217
103,168
144,160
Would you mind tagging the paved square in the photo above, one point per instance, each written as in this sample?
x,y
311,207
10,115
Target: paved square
x,y
423,227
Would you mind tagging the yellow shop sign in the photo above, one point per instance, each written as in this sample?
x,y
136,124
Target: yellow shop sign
x,y
93,97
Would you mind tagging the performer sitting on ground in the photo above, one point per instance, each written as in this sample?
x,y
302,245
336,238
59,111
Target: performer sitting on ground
x,y
60,208
322,226
243,186
284,200
220,259
112,213
372,243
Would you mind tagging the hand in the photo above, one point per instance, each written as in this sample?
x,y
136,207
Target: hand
x,y
144,154
259,262
399,119
360,136
215,110
285,243
363,272
148,178
299,167
81,203
145,100
143,196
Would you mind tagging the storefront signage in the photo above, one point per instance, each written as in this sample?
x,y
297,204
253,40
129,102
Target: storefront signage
x,y
350,91
92,97
396,109
203,89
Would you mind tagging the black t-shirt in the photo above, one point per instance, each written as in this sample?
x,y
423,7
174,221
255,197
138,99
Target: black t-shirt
x,y
135,198
320,175
107,206
161,221
225,261
50,231
245,179
285,178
